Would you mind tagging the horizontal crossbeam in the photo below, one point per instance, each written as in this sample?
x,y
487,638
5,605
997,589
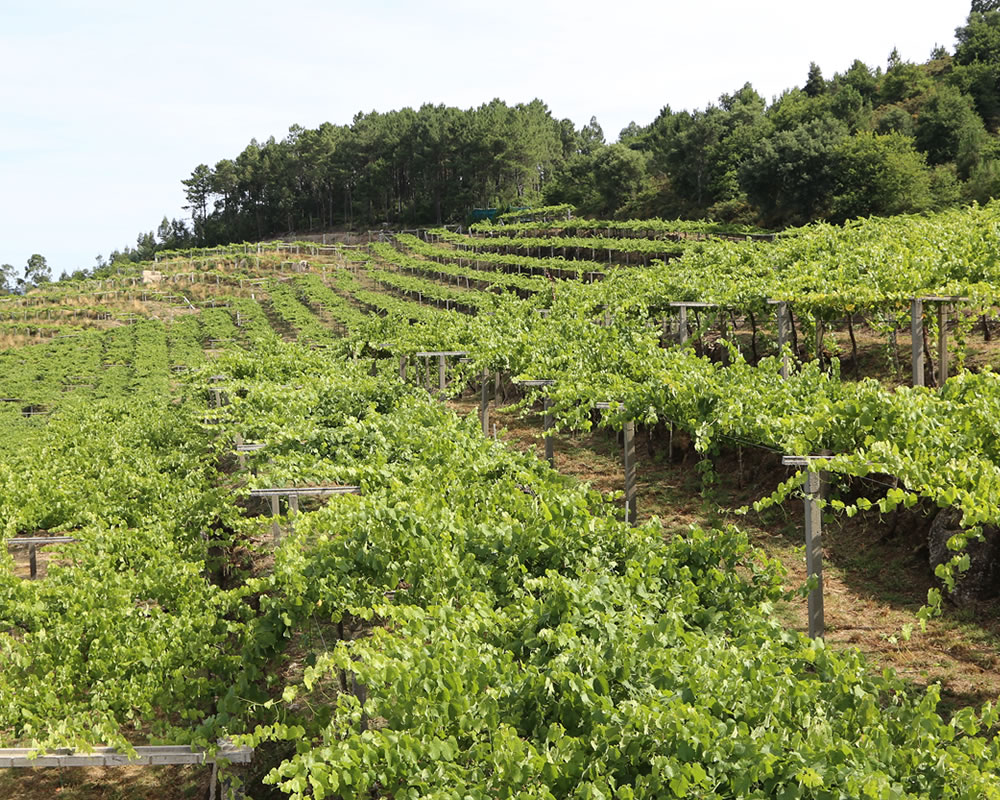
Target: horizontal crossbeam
x,y
111,757
301,491
802,461
38,541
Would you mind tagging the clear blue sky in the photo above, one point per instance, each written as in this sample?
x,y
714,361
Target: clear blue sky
x,y
107,104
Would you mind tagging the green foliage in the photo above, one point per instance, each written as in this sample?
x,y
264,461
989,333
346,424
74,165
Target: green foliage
x,y
36,271
815,85
539,643
793,174
6,278
984,182
949,130
882,175
538,213
904,81
895,119
504,632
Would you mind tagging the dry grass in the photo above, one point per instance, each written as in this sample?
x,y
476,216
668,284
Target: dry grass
x,y
106,783
11,340
43,557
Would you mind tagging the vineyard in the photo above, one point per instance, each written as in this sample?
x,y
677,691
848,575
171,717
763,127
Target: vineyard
x,y
247,527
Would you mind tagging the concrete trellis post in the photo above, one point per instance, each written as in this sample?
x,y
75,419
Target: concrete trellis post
x,y
629,458
547,426
628,462
813,486
242,448
917,340
441,355
293,493
682,317
275,525
943,309
33,543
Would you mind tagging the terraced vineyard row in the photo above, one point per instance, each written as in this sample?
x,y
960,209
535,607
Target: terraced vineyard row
x,y
624,251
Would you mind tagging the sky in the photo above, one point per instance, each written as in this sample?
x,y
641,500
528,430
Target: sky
x,y
106,105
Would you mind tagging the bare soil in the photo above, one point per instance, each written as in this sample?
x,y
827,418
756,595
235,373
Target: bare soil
x,y
106,783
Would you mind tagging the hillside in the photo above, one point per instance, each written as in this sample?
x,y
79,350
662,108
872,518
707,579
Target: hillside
x,y
439,612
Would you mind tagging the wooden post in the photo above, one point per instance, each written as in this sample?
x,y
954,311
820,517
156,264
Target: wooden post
x,y
484,404
819,342
547,425
814,550
33,561
682,324
402,368
275,527
783,336
943,310
629,459
238,440
441,372
917,340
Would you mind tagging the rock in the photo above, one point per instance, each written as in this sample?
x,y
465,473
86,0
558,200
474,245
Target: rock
x,y
982,580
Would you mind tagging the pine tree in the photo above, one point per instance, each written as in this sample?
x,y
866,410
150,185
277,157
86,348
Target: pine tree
x,y
983,6
815,85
